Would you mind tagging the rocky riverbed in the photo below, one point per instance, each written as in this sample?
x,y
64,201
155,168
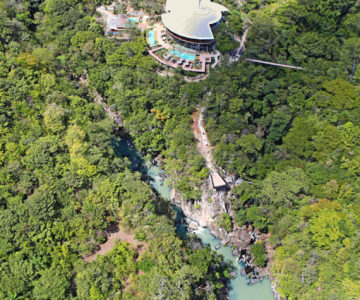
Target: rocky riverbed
x,y
204,214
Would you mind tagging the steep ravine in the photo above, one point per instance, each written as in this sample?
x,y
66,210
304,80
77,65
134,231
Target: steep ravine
x,y
203,212
213,203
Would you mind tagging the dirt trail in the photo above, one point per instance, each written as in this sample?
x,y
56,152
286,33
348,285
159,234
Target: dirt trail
x,y
201,136
111,241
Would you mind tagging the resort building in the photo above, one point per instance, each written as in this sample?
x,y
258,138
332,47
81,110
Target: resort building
x,y
118,23
191,22
184,39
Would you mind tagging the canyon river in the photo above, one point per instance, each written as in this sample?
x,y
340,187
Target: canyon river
x,y
238,288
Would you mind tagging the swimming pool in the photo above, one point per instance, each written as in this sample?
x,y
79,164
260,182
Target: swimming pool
x,y
134,20
151,38
182,55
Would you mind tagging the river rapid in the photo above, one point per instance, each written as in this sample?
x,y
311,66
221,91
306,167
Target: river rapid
x,y
238,287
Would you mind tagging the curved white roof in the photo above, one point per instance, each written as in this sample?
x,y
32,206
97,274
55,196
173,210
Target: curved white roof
x,y
192,18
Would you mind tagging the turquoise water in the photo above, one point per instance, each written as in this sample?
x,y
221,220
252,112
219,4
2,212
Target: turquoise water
x,y
157,176
124,148
182,55
134,19
239,290
151,38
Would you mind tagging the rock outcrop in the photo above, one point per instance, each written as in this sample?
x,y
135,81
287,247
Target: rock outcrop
x,y
205,211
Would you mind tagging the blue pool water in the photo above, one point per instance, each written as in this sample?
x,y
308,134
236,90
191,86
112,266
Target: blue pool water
x,y
182,55
134,19
151,38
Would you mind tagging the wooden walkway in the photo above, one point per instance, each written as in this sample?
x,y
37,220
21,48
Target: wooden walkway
x,y
273,64
162,61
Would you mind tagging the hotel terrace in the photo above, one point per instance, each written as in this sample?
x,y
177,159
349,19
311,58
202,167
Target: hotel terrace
x,y
118,25
183,38
185,35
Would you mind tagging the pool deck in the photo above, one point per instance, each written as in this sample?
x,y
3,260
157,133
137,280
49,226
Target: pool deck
x,y
202,59
159,59
174,65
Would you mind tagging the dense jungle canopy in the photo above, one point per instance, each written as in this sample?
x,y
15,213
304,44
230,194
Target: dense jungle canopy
x,y
294,134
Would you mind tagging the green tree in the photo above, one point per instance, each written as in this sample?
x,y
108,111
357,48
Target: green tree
x,y
299,139
284,188
326,227
224,221
52,284
41,204
54,118
259,253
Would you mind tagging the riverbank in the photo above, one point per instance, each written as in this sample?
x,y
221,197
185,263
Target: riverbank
x,y
158,181
214,203
239,287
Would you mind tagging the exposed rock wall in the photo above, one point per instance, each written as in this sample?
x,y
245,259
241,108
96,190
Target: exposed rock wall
x,y
205,211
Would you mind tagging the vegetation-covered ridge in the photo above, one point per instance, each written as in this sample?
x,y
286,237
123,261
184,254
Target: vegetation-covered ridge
x,y
61,183
294,135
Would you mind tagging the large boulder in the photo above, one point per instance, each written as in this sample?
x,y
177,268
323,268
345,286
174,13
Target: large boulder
x,y
193,225
242,238
225,241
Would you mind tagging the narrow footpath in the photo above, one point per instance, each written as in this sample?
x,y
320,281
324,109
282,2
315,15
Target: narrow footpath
x,y
205,149
200,134
237,54
273,64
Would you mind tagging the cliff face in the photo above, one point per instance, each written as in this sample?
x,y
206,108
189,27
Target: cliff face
x,y
208,209
213,204
205,211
